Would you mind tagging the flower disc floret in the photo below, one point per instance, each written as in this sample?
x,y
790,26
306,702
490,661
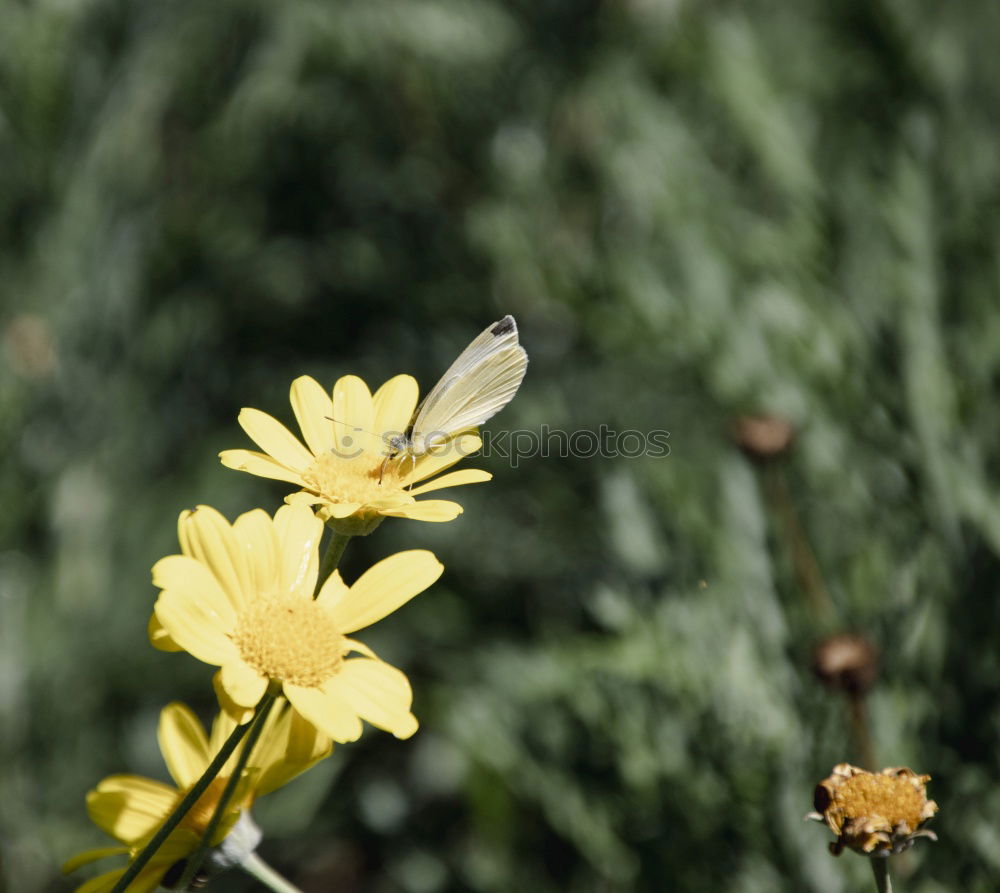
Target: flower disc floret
x,y
289,638
362,481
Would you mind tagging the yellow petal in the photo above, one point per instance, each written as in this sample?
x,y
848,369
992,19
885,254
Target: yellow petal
x,y
195,626
158,637
354,416
325,710
222,727
306,744
394,404
379,693
359,647
260,465
270,747
147,881
303,497
176,847
243,683
255,531
130,807
287,747
381,589
392,500
275,439
180,842
230,713
341,509
333,590
208,537
181,573
444,456
427,510
183,744
103,883
453,479
88,856
299,532
314,412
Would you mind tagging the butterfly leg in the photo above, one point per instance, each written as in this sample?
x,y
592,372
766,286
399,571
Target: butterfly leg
x,y
413,459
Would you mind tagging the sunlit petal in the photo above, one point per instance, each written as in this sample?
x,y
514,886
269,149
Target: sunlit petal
x,y
129,807
287,747
453,479
260,464
185,574
207,536
193,624
427,510
444,456
379,693
383,588
313,410
353,433
299,532
242,683
394,404
158,637
327,711
274,438
183,744
332,591
255,531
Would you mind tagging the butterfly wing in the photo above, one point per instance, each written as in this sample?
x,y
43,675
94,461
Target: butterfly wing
x,y
481,382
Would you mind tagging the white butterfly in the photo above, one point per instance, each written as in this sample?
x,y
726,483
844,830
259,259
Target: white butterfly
x,y
481,382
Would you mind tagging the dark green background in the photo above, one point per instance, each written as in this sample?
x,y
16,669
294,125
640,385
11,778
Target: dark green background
x,y
694,210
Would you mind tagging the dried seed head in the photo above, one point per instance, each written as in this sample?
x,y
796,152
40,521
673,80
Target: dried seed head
x,y
873,813
847,662
763,438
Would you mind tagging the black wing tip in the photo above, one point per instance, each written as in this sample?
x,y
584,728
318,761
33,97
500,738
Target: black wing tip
x,y
504,327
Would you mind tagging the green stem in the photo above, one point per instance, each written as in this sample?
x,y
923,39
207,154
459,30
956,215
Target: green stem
x,y
861,731
804,563
331,558
174,819
259,869
198,856
880,868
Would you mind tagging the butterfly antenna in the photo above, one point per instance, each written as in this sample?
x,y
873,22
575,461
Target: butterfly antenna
x,y
330,418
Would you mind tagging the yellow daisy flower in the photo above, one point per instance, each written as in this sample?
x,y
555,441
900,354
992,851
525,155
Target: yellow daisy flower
x,y
343,468
240,597
131,808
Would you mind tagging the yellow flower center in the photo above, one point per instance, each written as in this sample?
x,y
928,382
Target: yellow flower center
x,y
894,799
289,638
354,481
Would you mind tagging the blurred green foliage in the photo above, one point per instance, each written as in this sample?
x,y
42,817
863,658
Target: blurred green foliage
x,y
694,210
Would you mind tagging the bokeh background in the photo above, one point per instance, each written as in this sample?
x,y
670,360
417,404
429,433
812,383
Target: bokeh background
x,y
696,211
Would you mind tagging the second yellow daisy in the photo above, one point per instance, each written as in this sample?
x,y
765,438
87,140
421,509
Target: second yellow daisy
x,y
240,597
